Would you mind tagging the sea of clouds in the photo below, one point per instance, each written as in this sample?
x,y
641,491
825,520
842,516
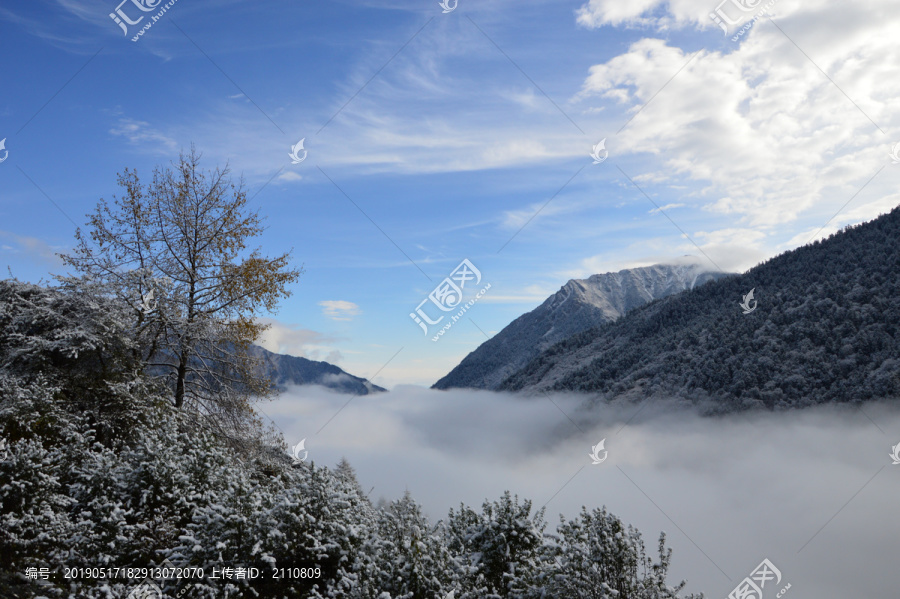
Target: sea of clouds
x,y
814,491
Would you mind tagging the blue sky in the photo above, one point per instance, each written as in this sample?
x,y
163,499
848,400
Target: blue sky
x,y
435,137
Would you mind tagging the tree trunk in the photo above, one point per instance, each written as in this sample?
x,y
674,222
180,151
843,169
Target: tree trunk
x,y
179,384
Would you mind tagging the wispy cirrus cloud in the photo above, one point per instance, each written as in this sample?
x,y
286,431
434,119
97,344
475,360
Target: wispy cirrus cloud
x,y
666,207
32,247
340,309
143,134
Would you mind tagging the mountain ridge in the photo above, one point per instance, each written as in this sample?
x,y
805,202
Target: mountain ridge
x,y
284,370
826,327
578,305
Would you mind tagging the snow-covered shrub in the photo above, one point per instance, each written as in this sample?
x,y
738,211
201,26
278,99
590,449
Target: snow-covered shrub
x,y
598,557
498,549
405,556
99,470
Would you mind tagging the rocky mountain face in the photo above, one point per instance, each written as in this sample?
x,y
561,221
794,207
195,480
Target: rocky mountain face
x,y
579,305
823,325
286,370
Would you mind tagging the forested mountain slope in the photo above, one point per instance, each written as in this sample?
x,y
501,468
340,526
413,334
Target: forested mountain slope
x,y
826,329
579,305
284,370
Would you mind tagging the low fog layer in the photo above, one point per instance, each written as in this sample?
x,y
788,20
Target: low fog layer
x,y
728,492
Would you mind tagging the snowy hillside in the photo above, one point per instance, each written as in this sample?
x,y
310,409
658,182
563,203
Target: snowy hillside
x,y
578,306
823,325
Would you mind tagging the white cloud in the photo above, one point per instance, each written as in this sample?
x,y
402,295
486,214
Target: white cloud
x,y
728,258
742,487
664,208
141,133
66,30
339,309
666,14
751,133
334,357
739,237
552,206
849,215
290,176
515,150
335,379
32,247
293,340
755,132
597,13
761,123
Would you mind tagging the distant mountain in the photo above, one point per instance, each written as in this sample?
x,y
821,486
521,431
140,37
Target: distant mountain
x,y
286,370
825,328
579,305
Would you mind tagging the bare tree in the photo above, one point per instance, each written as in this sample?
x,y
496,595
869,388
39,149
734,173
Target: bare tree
x,y
176,250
